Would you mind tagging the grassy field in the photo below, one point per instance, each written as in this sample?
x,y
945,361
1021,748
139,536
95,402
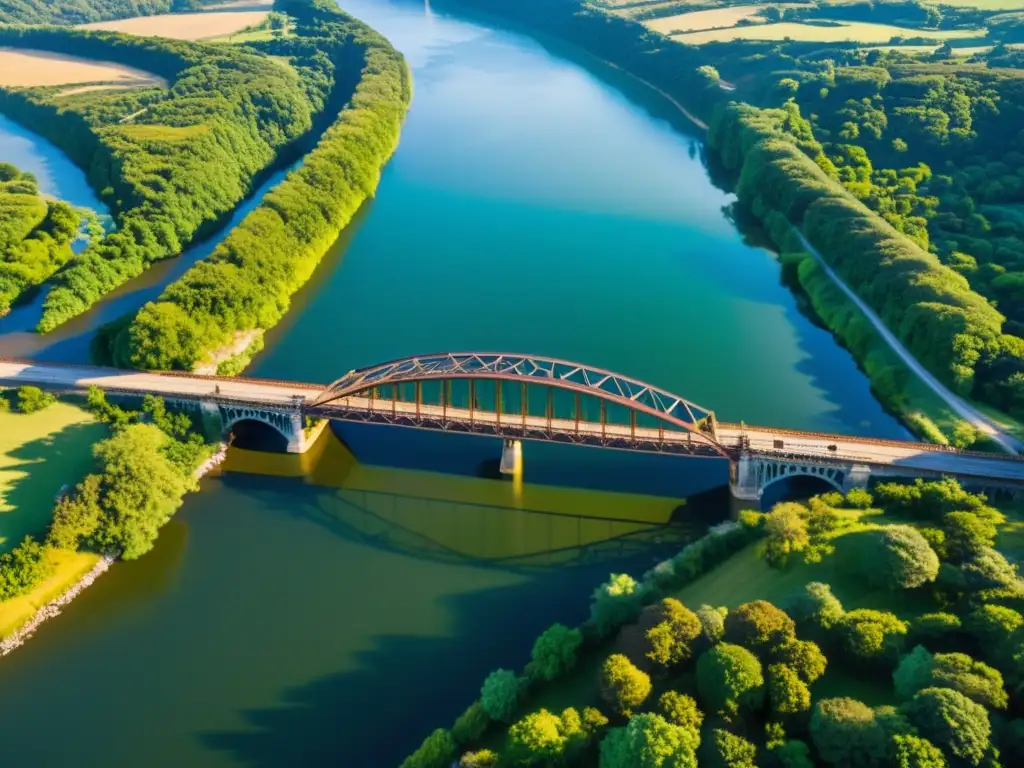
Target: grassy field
x,y
28,68
859,32
700,20
39,453
985,5
185,26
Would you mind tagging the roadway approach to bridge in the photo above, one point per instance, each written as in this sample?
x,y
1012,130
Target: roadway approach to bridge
x,y
758,456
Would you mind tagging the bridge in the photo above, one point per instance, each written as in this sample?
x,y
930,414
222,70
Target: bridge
x,y
520,397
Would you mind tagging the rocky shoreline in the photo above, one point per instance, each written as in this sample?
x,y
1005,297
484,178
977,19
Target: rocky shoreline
x,y
53,608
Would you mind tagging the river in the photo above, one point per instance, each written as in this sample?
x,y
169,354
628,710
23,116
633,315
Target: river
x,y
332,610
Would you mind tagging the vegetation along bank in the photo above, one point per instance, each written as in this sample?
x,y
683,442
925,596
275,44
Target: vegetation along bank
x,y
246,285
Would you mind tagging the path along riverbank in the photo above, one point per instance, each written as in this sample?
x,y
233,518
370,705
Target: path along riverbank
x,y
53,608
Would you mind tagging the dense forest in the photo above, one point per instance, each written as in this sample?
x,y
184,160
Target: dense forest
x,y
35,234
85,11
170,163
247,283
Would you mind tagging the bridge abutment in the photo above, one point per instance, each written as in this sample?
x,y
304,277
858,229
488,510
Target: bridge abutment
x,y
511,458
752,473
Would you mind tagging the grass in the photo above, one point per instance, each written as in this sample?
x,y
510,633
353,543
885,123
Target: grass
x,y
858,32
700,20
39,453
986,5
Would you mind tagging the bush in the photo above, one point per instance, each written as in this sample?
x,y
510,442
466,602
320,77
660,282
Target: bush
x,y
33,399
22,568
671,640
952,722
958,671
785,528
794,754
540,737
554,653
967,535
803,657
471,724
872,636
483,758
729,678
815,606
846,733
622,684
649,741
758,626
858,498
712,621
898,557
437,751
937,629
615,603
993,625
726,750
914,752
499,695
788,694
681,710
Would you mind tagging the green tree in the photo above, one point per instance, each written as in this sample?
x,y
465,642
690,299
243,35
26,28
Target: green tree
x,y
815,606
436,751
540,737
33,399
681,710
471,724
914,752
786,533
615,602
712,622
913,673
846,733
794,754
993,625
729,678
872,636
952,722
758,626
649,741
483,758
967,534
958,671
898,557
554,652
803,657
671,640
622,684
787,693
727,750
499,695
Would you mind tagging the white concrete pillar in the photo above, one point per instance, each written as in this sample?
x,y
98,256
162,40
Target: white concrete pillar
x,y
857,477
511,458
743,479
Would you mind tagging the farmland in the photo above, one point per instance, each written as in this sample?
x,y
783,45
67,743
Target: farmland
x,y
860,32
41,68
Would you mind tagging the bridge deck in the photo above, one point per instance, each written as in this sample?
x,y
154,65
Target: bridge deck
x,y
277,394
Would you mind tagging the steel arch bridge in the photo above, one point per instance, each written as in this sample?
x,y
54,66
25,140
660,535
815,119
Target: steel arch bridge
x,y
676,425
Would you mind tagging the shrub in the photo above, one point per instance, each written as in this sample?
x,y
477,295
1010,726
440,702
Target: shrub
x,y
786,533
958,671
815,606
622,684
729,678
5,404
952,722
483,758
22,568
787,693
649,741
913,673
615,603
500,693
726,750
846,733
758,626
681,710
993,625
911,751
539,737
554,653
33,399
471,724
858,498
872,636
898,557
936,628
712,621
803,657
967,535
437,751
671,640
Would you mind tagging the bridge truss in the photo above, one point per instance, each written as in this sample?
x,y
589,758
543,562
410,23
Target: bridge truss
x,y
419,392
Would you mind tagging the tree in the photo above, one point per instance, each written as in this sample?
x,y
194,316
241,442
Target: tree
x,y
794,754
846,733
898,557
914,752
712,622
33,399
622,684
788,694
872,636
614,603
681,710
726,750
803,657
967,535
729,678
499,694
993,625
815,606
671,640
436,751
471,724
539,737
952,722
758,626
554,652
483,758
913,673
76,515
786,531
974,679
649,741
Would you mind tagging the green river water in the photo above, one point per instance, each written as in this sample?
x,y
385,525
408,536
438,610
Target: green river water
x,y
334,610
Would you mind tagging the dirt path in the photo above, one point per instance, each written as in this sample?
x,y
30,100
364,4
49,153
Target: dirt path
x,y
959,405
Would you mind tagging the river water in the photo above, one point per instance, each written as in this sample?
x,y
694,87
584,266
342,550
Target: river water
x,y
332,610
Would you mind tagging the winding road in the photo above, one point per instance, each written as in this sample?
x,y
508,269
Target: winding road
x,y
961,407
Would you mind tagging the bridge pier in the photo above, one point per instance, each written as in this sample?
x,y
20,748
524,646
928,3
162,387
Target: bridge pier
x,y
752,473
511,458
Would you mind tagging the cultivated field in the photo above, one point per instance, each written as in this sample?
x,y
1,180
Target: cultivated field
x,y
28,68
698,20
185,26
986,5
847,32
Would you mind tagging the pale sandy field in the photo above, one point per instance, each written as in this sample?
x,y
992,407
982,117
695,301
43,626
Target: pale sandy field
x,y
184,26
852,32
697,20
26,67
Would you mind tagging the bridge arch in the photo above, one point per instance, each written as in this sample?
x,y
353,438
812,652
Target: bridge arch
x,y
772,472
258,427
632,394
